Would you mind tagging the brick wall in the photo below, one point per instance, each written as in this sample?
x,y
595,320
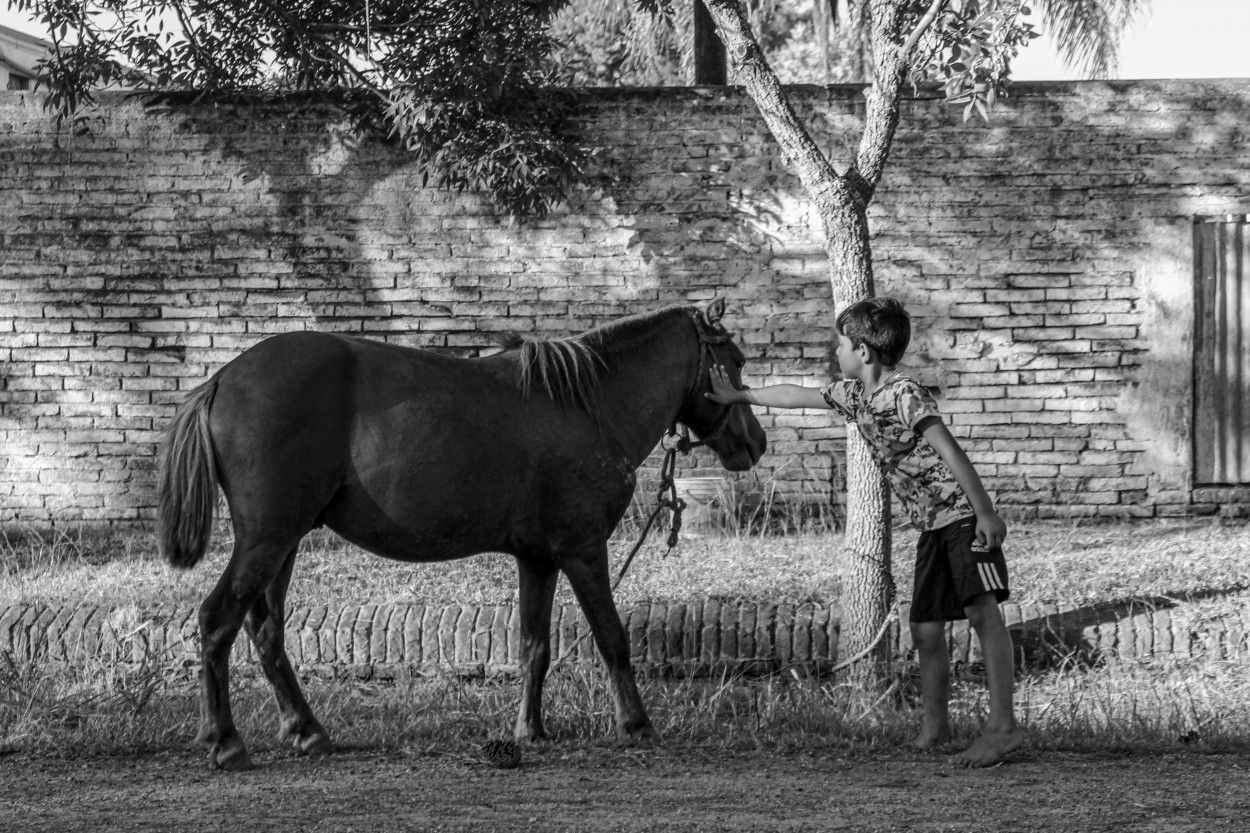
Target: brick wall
x,y
1047,259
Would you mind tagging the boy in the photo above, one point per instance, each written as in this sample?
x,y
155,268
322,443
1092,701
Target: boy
x,y
960,570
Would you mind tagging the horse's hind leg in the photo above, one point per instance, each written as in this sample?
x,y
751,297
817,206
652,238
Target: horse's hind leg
x,y
266,623
538,588
252,567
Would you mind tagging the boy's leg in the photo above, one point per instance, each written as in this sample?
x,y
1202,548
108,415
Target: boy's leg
x,y
935,600
1001,735
935,683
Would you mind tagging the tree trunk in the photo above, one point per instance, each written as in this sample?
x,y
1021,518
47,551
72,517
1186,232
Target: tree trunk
x,y
868,592
842,202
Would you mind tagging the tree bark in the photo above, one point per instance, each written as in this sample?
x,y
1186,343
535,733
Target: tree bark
x,y
842,203
868,591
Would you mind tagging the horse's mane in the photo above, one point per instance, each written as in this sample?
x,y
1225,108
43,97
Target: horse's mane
x,y
569,369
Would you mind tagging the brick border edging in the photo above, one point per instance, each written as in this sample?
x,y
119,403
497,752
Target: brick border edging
x,y
665,638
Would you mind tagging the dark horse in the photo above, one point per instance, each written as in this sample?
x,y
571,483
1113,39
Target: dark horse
x,y
418,456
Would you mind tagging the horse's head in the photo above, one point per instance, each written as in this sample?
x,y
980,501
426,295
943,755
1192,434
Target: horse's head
x,y
732,431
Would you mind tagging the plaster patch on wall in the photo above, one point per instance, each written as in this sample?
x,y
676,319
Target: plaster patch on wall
x,y
1157,404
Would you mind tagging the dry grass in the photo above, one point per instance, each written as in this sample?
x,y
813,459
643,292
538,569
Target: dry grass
x,y
1131,707
1049,561
109,707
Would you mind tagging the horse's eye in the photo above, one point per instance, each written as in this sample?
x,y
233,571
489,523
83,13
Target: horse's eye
x,y
741,363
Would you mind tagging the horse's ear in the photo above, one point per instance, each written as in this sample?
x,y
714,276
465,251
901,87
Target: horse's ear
x,y
715,311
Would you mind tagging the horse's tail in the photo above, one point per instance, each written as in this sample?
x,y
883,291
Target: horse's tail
x,y
188,481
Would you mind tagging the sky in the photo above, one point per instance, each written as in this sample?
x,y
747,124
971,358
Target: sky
x,y
1177,39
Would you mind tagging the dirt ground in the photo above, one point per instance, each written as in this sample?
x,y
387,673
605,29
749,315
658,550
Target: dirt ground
x,y
616,789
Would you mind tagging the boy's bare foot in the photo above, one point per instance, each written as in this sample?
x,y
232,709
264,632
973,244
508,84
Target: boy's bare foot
x,y
991,747
931,737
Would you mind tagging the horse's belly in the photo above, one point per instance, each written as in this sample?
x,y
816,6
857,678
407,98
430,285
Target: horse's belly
x,y
426,483
430,522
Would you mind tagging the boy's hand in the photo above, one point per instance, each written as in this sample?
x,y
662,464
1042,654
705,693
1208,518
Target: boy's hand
x,y
722,392
991,530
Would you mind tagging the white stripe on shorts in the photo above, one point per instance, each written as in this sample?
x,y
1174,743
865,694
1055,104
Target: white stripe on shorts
x,y
989,576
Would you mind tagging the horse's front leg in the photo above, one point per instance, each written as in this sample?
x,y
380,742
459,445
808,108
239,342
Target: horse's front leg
x,y
538,588
588,576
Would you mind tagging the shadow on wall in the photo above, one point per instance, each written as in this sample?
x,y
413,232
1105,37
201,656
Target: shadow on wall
x,y
207,228
358,245
180,240
699,214
1047,258
1028,250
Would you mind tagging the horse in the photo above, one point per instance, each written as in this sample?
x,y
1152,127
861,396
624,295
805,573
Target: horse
x,y
418,456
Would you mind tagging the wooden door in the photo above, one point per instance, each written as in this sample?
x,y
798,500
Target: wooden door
x,y
1221,351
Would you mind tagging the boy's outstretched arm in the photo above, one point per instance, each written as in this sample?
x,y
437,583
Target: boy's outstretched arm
x,y
773,396
991,530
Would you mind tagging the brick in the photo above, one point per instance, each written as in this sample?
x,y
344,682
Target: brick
x,y
1029,276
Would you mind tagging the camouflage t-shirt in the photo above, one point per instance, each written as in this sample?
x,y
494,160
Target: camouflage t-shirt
x,y
887,419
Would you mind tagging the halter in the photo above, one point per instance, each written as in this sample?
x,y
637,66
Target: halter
x,y
710,334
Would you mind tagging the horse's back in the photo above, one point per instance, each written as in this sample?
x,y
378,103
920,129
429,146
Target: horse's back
x,y
331,373
284,383
388,445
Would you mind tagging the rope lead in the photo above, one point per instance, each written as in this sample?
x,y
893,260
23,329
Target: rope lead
x,y
666,499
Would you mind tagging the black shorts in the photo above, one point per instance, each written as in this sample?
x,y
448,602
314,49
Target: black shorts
x,y
952,568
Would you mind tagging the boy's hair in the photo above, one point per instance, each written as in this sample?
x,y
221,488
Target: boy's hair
x,y
881,323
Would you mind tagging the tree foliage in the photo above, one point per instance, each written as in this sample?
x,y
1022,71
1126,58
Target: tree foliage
x,y
639,43
969,48
479,90
465,84
1087,32
616,43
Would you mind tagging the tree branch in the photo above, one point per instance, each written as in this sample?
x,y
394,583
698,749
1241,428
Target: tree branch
x,y
188,30
321,50
882,115
922,27
797,146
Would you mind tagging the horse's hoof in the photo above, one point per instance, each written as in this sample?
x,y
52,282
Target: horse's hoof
x,y
307,737
316,745
230,757
531,737
643,736
530,734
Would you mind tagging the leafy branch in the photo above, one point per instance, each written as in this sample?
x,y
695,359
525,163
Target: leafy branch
x,y
466,85
969,48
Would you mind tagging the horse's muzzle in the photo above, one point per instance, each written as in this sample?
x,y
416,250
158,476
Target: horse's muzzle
x,y
740,442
